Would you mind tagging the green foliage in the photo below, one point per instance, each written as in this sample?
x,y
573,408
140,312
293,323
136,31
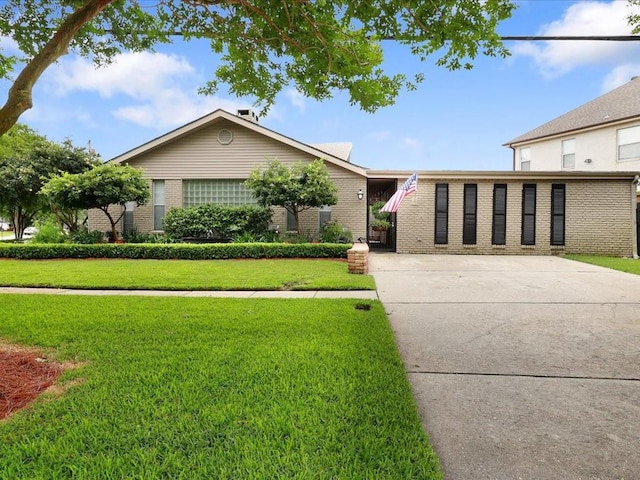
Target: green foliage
x,y
87,237
216,221
209,251
49,231
335,232
102,186
27,160
380,219
319,48
142,237
296,188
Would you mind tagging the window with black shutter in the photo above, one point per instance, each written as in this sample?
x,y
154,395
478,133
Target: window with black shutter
x,y
442,213
557,214
499,228
470,214
528,214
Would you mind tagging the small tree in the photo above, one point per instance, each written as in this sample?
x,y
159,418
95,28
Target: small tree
x,y
296,188
100,187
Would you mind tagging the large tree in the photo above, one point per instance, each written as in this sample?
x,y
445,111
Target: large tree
x,y
102,187
27,160
317,46
296,188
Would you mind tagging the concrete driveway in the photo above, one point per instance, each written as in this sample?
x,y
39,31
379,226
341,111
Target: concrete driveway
x,y
522,367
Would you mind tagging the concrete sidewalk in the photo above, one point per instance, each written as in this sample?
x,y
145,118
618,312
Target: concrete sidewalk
x,y
523,367
362,294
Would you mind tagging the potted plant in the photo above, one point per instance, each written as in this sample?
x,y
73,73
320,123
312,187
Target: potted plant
x,y
380,220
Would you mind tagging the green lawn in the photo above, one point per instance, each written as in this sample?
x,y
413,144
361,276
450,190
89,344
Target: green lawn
x,y
280,274
628,265
199,388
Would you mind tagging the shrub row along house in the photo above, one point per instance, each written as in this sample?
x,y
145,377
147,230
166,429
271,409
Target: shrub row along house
x,y
508,212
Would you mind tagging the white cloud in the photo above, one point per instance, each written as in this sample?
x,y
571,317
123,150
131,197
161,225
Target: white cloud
x,y
555,58
620,75
380,136
296,98
163,87
412,144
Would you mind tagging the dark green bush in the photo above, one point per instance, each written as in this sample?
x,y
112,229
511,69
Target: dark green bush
x,y
334,232
181,251
134,236
87,237
217,221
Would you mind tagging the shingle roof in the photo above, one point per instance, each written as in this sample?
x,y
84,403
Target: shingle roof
x,y
618,104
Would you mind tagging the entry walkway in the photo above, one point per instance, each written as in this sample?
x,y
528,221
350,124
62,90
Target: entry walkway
x,y
523,367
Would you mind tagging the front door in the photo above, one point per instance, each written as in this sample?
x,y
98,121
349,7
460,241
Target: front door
x,y
381,226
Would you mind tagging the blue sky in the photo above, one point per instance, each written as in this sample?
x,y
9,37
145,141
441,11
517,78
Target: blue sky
x,y
455,121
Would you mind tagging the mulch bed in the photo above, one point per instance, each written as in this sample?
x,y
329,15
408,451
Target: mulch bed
x,y
24,374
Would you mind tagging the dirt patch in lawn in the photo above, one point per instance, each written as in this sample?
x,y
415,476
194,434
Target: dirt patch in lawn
x,y
24,374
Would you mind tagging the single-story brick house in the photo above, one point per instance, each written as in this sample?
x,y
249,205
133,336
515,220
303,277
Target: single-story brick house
x,y
458,212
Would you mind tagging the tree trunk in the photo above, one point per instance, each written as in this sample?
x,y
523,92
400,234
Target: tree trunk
x,y
114,231
19,98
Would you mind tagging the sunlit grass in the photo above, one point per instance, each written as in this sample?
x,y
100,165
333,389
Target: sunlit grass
x,y
628,265
214,388
280,274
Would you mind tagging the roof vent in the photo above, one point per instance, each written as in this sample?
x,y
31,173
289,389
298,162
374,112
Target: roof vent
x,y
248,114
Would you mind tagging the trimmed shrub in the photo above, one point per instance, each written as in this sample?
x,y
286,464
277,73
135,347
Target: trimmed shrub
x,y
216,221
180,251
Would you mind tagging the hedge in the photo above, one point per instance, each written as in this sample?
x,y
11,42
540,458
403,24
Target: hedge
x,y
161,251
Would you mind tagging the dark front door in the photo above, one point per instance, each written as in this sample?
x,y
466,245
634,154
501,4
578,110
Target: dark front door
x,y
381,227
638,228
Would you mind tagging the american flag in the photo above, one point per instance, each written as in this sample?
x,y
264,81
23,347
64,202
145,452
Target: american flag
x,y
407,188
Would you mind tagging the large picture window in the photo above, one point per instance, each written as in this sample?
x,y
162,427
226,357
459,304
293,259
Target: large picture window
x,y
223,192
629,144
557,214
442,214
529,214
499,227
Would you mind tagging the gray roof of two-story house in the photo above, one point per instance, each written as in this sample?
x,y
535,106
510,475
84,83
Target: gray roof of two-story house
x,y
623,103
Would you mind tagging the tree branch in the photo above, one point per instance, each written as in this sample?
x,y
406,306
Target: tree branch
x,y
19,98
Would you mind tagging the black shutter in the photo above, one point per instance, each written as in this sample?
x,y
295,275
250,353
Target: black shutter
x,y
499,231
442,213
557,214
470,214
528,214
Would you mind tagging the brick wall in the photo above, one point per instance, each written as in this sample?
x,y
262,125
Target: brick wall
x,y
598,218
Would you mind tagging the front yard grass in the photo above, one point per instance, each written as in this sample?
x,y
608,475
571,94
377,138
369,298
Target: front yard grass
x,y
278,274
628,265
214,388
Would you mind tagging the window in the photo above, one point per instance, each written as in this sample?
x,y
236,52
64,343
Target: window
x,y
499,228
442,213
324,216
158,204
557,214
628,144
223,192
569,153
528,214
291,222
470,214
128,217
525,159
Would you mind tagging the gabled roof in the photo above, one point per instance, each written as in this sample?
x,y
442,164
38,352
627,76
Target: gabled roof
x,y
334,153
619,104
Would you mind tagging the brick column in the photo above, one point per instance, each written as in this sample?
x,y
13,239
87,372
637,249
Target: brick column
x,y
358,258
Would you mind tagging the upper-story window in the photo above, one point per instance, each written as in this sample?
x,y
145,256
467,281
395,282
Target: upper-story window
x,y
569,153
525,159
628,144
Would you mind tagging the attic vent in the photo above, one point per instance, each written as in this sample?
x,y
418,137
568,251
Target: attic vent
x,y
225,136
248,115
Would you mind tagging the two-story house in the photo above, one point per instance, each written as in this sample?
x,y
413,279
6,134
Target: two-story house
x,y
601,135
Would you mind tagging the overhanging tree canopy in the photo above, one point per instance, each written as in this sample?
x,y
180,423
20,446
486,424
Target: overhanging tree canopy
x,y
317,46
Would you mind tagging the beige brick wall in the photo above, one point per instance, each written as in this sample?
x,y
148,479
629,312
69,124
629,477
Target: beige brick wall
x,y
598,219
